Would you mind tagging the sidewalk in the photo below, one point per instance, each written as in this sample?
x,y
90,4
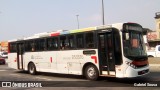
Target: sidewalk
x,y
155,60
154,64
154,68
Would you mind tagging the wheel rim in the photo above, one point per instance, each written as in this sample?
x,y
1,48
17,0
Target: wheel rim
x,y
91,72
31,69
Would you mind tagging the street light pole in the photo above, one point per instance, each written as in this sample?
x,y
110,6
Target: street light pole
x,y
103,21
77,21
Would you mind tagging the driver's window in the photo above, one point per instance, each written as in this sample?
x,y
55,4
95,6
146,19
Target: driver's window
x,y
126,39
135,43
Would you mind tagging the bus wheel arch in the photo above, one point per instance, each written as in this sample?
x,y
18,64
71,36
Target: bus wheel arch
x,y
90,71
31,68
150,56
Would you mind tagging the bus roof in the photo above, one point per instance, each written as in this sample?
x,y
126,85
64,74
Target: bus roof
x,y
63,32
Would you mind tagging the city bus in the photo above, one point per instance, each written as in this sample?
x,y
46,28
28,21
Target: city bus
x,y
115,50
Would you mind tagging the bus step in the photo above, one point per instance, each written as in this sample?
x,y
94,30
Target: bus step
x,y
110,73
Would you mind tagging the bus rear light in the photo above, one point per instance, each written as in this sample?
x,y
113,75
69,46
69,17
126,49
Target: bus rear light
x,y
131,64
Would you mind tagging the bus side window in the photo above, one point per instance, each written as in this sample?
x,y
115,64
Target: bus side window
x,y
52,43
13,47
26,46
32,44
89,39
63,42
80,40
29,46
71,42
40,44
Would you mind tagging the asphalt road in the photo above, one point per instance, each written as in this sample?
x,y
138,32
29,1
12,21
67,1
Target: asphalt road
x,y
61,81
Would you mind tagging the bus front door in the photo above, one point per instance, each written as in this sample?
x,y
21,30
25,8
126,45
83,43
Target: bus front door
x,y
106,54
20,51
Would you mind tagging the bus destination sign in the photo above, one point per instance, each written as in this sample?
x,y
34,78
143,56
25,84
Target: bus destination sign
x,y
132,27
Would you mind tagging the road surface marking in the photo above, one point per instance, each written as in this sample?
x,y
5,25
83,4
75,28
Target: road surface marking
x,y
15,74
44,78
2,70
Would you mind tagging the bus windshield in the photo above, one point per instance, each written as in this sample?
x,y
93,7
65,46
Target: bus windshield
x,y
133,44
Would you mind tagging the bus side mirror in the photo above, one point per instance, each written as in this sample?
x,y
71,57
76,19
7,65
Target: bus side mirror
x,y
159,48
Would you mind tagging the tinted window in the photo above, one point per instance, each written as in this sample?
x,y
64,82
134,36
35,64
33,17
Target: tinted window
x,y
80,40
29,46
52,43
117,47
71,41
13,47
89,40
40,45
63,43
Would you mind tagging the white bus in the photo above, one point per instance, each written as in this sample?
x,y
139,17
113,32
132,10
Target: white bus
x,y
115,50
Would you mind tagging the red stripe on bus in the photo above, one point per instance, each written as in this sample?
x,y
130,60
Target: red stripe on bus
x,y
15,60
95,59
55,34
51,59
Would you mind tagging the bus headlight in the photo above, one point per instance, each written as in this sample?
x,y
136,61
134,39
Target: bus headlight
x,y
130,64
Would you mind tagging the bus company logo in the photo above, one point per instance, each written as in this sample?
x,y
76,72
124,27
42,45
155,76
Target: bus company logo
x,y
36,57
32,57
77,57
6,84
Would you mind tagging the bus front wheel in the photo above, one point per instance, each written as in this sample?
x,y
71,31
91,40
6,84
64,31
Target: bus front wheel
x,y
32,69
91,72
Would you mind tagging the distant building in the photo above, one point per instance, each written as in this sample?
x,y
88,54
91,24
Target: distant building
x,y
4,46
157,17
154,36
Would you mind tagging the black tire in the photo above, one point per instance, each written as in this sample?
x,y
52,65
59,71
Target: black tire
x,y
91,72
32,69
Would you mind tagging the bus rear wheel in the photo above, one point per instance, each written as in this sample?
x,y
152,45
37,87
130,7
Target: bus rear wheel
x,y
32,69
91,72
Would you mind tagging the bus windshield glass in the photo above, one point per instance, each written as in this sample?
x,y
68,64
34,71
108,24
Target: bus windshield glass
x,y
133,42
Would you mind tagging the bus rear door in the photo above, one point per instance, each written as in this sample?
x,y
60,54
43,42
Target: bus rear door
x,y
20,51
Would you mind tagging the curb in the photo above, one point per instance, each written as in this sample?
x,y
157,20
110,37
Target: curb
x,y
154,64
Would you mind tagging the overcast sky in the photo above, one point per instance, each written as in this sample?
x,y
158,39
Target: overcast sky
x,y
19,18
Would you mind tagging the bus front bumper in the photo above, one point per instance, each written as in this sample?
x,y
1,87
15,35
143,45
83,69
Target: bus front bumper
x,y
131,72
